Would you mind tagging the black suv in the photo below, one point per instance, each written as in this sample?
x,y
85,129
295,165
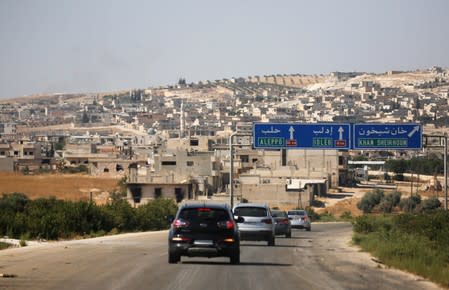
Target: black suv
x,y
204,230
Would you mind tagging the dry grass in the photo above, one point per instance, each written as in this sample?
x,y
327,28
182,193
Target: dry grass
x,y
67,187
341,207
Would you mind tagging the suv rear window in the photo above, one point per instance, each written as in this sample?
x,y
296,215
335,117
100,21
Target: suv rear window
x,y
250,211
278,214
296,212
203,214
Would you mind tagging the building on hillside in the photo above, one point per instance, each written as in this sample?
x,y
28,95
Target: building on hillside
x,y
271,176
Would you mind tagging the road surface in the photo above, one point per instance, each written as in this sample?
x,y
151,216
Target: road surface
x,y
320,259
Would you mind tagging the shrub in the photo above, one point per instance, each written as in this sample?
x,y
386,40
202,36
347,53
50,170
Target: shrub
x,y
327,217
431,203
390,201
410,204
415,242
434,225
152,216
346,215
312,214
367,224
23,240
12,218
15,201
4,245
370,200
50,218
123,215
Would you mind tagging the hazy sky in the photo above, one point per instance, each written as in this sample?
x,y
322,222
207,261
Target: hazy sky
x,y
102,45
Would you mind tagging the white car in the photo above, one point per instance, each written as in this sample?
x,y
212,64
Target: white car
x,y
299,219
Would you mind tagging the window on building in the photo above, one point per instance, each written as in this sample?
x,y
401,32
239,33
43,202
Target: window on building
x,y
194,142
216,165
189,163
284,157
16,153
106,170
158,192
341,160
244,158
136,192
168,163
3,153
179,195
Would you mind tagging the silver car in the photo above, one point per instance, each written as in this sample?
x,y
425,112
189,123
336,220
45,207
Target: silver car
x,y
258,225
282,223
299,219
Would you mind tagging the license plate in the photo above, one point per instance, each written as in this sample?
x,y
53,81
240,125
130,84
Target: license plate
x,y
203,242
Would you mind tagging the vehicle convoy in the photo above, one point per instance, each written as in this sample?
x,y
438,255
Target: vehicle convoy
x,y
282,223
300,219
204,230
258,222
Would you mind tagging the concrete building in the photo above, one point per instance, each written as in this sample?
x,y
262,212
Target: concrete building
x,y
288,176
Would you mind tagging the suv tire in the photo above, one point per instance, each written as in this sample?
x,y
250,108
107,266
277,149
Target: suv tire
x,y
271,242
235,258
173,258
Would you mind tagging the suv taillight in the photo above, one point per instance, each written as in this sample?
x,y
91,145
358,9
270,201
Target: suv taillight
x,y
267,221
180,224
229,225
285,221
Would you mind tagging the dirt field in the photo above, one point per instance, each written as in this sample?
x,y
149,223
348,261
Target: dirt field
x,y
67,187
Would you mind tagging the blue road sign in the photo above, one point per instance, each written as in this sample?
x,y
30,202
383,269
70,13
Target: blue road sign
x,y
371,136
301,136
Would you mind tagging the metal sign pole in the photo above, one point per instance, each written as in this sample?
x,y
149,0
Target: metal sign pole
x,y
231,170
445,170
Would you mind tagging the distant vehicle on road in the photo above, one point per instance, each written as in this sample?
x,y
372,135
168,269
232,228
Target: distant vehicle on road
x,y
300,219
204,230
282,223
258,224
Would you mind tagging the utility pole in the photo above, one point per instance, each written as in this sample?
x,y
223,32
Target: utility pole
x,y
231,170
231,166
445,169
442,139
411,192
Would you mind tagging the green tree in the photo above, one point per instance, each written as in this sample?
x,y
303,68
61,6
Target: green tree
x,y
370,200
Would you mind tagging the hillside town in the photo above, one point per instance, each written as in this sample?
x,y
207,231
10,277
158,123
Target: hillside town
x,y
176,141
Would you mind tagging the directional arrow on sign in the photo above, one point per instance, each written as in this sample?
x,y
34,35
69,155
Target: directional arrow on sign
x,y
291,130
415,129
340,133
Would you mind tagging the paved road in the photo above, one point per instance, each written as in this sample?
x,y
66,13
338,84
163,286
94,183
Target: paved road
x,y
320,259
